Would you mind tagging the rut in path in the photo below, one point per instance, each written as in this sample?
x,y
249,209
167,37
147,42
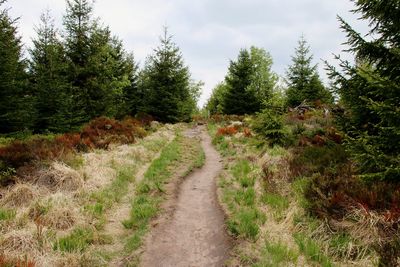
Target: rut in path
x,y
195,234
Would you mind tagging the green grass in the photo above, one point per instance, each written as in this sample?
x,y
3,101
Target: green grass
x,y
340,243
246,223
311,250
245,197
6,215
106,198
278,203
276,254
146,203
78,241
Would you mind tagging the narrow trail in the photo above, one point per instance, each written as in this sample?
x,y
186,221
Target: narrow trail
x,y
195,233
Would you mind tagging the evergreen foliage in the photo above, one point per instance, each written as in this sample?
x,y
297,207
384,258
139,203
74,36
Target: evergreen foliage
x,y
16,102
216,101
238,99
247,85
269,123
165,81
370,91
48,71
303,79
99,68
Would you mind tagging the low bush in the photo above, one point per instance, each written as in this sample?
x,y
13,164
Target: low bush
x,y
23,262
99,133
269,125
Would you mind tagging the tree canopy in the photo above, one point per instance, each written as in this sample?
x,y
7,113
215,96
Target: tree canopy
x,y
370,91
302,78
165,82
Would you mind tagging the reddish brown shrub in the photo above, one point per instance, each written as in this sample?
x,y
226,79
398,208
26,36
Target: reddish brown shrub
x,y
247,132
98,133
5,262
318,140
231,130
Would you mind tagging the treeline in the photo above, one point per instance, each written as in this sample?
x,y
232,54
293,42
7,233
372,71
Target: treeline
x,y
82,72
250,83
368,91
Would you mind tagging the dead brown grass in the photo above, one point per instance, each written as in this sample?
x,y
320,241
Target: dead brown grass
x,y
59,177
18,241
20,195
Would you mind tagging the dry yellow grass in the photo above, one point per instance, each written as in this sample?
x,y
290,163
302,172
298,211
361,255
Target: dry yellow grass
x,y
53,205
20,195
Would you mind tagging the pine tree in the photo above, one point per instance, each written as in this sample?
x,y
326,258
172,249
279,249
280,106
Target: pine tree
x,y
165,82
99,67
370,91
238,99
303,79
48,72
16,102
131,101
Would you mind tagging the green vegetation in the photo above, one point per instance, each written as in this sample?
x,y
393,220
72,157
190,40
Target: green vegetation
x,y
6,214
104,199
150,191
303,79
77,241
277,254
312,250
249,82
166,77
369,91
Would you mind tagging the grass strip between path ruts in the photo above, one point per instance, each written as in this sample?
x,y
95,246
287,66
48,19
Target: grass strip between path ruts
x,y
149,192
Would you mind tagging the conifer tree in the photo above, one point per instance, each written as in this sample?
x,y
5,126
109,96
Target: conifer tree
x,y
303,79
98,64
48,70
131,101
238,99
16,102
370,91
165,82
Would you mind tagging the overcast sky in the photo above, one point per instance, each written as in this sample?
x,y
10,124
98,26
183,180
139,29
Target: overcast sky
x,y
211,32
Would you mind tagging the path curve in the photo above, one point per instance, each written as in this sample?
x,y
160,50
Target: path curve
x,y
195,234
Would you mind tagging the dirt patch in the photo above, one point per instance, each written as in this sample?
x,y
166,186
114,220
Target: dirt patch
x,y
194,234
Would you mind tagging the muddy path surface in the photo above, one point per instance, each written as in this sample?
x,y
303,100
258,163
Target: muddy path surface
x,y
194,234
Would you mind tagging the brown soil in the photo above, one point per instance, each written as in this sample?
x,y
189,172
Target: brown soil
x,y
194,235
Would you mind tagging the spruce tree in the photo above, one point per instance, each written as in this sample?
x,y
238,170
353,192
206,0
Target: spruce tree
x,y
165,82
98,64
16,102
131,101
48,70
370,91
238,99
303,79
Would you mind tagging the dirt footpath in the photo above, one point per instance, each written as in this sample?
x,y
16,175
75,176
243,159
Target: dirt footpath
x,y
195,233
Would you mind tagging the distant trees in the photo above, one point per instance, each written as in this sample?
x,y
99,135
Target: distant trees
x,y
370,91
165,82
249,82
303,80
215,104
16,102
238,98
